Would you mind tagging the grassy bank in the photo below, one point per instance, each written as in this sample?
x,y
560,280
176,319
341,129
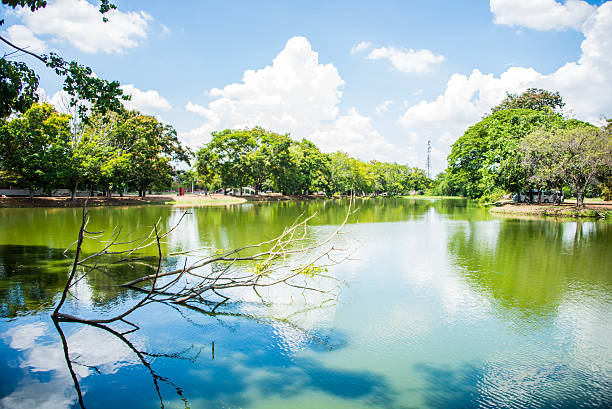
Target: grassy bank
x,y
597,210
431,197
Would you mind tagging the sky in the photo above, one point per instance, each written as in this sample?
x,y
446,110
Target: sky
x,y
375,80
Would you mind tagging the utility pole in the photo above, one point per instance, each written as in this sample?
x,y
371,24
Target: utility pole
x,y
429,158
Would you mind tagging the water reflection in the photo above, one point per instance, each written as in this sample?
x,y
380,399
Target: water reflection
x,y
529,267
445,306
47,383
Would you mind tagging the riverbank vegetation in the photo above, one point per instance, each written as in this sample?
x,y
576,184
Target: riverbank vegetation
x,y
267,160
601,210
114,151
526,142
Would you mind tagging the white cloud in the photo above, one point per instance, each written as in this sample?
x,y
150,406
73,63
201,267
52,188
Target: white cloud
x,y
353,133
23,37
296,95
418,61
383,107
88,346
584,85
145,101
466,99
541,14
360,47
60,100
80,23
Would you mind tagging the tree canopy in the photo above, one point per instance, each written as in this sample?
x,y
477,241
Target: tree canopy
x,y
88,93
487,157
536,99
114,151
578,156
267,160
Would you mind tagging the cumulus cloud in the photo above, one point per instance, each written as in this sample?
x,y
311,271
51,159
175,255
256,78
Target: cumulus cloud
x,y
353,133
79,23
364,45
145,101
542,14
23,37
466,99
409,61
60,100
383,107
296,95
584,85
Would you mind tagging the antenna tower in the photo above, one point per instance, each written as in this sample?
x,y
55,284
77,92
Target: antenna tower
x,y
429,158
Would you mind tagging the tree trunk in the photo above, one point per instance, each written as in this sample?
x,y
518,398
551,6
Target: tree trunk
x,y
31,194
579,199
539,196
73,191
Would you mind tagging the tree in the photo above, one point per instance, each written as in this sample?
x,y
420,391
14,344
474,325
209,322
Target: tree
x,y
35,148
443,185
580,156
149,146
533,98
127,150
88,93
226,155
487,157
18,85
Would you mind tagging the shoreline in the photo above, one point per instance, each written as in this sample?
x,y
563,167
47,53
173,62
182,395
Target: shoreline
x,y
165,200
597,210
169,200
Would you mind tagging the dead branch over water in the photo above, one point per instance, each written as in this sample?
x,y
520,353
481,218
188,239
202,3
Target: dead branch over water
x,y
295,259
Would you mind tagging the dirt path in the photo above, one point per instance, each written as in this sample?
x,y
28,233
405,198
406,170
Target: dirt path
x,y
187,200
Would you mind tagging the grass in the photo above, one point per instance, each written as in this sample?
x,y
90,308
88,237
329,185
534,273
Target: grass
x,y
431,197
204,200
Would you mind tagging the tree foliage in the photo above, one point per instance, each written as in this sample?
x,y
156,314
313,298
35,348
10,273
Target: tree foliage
x,y
115,151
487,156
18,85
267,160
89,94
35,148
579,156
536,99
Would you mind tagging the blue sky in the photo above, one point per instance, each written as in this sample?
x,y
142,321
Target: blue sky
x,y
424,70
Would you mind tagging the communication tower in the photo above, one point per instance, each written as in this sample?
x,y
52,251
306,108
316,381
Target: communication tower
x,y
429,158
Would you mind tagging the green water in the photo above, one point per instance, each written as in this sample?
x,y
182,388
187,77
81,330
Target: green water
x,y
442,305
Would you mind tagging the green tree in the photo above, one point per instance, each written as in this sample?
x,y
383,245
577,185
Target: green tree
x,y
580,156
35,148
226,156
151,147
18,85
536,99
443,185
88,93
313,167
487,157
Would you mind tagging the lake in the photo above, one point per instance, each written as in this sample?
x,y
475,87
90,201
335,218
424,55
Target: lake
x,y
440,305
